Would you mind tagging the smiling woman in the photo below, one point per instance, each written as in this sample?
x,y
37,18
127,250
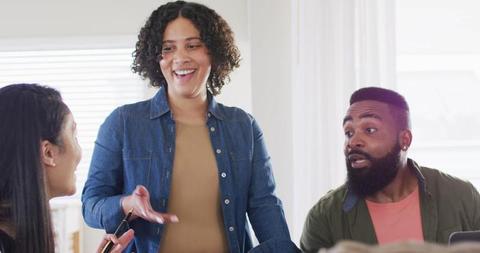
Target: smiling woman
x,y
180,149
61,181
184,62
212,30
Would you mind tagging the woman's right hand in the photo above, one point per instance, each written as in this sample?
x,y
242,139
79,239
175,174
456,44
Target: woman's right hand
x,y
139,201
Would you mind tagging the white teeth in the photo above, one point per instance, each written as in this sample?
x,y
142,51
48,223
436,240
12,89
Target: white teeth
x,y
184,71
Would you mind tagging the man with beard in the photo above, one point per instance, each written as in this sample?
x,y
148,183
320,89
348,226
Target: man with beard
x,y
388,197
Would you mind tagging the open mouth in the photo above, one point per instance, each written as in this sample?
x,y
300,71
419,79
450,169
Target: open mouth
x,y
183,72
358,161
183,76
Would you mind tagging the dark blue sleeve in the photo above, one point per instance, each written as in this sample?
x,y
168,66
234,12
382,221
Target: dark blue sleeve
x,y
102,192
265,210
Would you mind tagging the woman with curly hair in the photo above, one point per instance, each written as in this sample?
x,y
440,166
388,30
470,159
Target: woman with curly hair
x,y
191,168
39,153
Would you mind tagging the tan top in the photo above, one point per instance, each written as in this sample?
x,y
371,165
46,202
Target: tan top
x,y
194,195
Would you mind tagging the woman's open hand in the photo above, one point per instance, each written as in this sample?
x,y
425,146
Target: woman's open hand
x,y
139,200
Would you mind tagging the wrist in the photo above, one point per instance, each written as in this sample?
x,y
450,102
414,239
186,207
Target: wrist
x,y
126,205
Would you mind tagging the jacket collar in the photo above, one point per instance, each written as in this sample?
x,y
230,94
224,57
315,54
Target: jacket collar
x,y
159,105
214,108
351,199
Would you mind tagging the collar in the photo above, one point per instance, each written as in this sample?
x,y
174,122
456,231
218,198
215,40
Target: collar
x,y
159,105
351,199
214,108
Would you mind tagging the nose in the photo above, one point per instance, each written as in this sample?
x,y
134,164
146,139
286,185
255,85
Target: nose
x,y
355,141
181,56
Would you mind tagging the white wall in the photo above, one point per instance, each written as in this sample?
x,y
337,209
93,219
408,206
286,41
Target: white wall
x,y
30,18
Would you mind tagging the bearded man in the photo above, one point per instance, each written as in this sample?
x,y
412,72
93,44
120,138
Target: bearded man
x,y
388,197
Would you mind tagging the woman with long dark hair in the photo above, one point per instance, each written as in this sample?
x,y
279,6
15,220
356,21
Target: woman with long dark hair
x,y
39,153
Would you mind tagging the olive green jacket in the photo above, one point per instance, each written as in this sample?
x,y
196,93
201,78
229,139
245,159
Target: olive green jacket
x,y
447,204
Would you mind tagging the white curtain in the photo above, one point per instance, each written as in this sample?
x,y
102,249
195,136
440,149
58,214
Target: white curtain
x,y
338,46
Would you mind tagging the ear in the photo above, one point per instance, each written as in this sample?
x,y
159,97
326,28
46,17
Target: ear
x,y
47,154
405,139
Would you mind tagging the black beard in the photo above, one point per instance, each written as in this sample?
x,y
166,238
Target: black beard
x,y
367,181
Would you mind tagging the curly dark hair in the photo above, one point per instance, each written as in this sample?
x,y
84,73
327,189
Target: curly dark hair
x,y
214,32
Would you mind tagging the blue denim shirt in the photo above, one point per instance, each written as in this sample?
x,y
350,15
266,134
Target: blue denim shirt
x,y
135,146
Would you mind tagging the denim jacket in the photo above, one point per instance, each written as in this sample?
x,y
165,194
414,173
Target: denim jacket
x,y
135,146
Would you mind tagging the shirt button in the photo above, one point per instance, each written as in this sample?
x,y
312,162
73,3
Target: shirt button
x,y
219,151
212,129
227,201
231,229
224,175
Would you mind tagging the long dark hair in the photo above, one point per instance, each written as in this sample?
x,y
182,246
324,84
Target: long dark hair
x,y
29,114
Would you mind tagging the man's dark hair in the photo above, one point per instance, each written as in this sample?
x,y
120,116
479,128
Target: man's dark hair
x,y
396,102
214,32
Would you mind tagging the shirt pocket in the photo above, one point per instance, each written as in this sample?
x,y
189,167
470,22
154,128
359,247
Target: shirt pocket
x,y
241,165
241,160
137,168
238,155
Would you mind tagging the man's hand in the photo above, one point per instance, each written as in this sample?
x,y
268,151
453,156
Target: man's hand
x,y
139,200
120,243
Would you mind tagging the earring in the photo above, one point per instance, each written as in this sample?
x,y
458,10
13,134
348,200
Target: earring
x,y
404,148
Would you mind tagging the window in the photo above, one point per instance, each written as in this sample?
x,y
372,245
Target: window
x,y
438,71
92,82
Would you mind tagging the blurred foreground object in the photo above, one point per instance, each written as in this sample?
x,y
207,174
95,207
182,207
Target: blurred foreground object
x,y
403,247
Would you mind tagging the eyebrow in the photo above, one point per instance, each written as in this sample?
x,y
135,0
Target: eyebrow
x,y
362,116
187,39
347,118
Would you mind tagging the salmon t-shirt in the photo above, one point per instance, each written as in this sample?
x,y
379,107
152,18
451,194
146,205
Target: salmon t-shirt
x,y
397,221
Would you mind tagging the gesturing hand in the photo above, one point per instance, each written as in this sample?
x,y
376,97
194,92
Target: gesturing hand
x,y
139,200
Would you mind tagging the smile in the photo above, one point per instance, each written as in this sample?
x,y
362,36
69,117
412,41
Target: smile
x,y
183,72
